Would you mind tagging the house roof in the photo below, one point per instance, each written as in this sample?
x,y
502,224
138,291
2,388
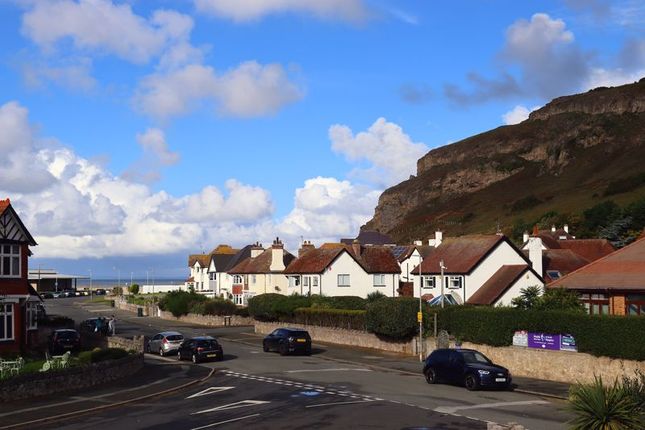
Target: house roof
x,y
239,256
497,285
314,260
224,249
221,261
556,235
564,261
590,249
373,259
378,259
623,269
260,264
369,237
13,234
203,260
403,252
461,254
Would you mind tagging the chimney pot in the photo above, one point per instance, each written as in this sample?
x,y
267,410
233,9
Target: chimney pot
x,y
525,237
553,229
566,228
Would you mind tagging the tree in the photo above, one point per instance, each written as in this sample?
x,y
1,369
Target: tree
x,y
133,289
536,298
528,299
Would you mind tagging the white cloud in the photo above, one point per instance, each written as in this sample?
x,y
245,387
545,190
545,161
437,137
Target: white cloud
x,y
104,27
391,153
249,90
611,78
518,114
156,155
74,74
249,10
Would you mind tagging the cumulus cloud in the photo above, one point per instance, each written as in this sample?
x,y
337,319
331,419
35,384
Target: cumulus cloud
x,y
156,155
249,90
71,73
518,114
391,153
249,10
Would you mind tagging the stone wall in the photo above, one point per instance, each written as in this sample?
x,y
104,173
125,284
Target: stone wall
x,y
75,378
135,344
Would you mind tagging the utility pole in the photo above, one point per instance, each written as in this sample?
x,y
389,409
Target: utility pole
x,y
420,314
91,293
442,267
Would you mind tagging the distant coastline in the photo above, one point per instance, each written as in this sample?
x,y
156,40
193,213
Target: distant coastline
x,y
105,283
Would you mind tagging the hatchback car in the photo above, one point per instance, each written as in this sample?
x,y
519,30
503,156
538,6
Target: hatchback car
x,y
165,343
286,340
202,348
465,366
64,340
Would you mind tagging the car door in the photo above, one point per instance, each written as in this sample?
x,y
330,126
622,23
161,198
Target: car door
x,y
272,339
456,367
154,342
181,351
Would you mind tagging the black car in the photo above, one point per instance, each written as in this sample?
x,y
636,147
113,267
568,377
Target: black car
x,y
99,292
286,340
465,366
202,348
98,325
64,340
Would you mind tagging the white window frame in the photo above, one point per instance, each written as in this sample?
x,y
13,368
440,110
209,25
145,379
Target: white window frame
x,y
314,281
381,280
428,282
343,276
32,316
212,276
306,280
253,279
10,253
6,313
237,279
455,282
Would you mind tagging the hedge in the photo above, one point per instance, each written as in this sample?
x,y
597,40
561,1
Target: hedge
x,y
396,317
599,335
350,319
339,302
276,307
216,306
98,355
180,302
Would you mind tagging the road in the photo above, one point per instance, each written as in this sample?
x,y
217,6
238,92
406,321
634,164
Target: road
x,y
333,388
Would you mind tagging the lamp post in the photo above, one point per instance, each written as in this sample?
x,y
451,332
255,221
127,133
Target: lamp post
x,y
442,267
91,293
420,314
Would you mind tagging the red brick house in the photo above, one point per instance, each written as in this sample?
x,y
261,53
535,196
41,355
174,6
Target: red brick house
x,y
18,311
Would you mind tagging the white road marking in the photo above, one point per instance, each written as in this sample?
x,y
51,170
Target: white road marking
x,y
210,390
453,409
341,369
227,421
235,405
337,403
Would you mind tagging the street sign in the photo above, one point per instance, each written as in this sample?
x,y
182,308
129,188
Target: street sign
x,y
420,316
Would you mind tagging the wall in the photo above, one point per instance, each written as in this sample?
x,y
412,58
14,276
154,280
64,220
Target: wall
x,y
75,378
528,279
134,344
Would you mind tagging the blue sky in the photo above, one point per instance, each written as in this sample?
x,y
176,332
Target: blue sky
x,y
136,132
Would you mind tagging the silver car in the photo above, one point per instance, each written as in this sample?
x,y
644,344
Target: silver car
x,y
165,342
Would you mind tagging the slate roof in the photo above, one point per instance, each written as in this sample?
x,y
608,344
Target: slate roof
x,y
623,269
260,264
369,237
497,284
460,254
221,261
403,252
239,256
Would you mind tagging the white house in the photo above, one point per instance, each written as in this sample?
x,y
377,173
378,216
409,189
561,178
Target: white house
x,y
478,269
208,272
341,270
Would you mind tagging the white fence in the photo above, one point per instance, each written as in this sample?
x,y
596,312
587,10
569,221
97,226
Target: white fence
x,y
161,288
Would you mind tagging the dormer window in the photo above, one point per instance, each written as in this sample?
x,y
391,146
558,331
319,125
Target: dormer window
x,y
10,261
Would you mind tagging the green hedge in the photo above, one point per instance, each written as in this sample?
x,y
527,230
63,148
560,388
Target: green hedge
x,y
276,307
396,317
609,336
216,306
97,355
339,302
180,302
350,319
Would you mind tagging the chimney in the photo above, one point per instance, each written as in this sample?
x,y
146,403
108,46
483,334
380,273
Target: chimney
x,y
306,246
438,238
256,249
535,254
277,256
553,229
418,243
356,248
525,237
566,228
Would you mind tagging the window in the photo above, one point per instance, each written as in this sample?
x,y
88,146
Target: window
x,y
294,281
305,281
212,276
454,282
428,281
6,321
314,281
238,299
253,279
379,280
343,280
10,261
635,304
595,304
237,279
32,316
553,274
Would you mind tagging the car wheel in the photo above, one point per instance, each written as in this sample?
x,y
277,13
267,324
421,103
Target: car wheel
x,y
178,356
431,376
195,359
161,353
284,349
471,383
265,347
308,351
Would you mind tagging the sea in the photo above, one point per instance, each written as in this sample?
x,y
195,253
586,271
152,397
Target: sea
x,y
109,283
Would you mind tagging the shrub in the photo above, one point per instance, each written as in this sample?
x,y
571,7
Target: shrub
x,y
107,354
133,289
395,317
261,306
341,318
535,297
338,302
117,291
242,312
219,306
375,295
635,388
180,302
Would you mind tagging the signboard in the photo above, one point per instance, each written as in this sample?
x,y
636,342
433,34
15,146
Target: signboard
x,y
419,317
521,338
568,343
544,341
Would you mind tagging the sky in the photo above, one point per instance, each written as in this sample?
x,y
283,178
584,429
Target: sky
x,y
136,132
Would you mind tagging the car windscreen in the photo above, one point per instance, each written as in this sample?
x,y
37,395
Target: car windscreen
x,y
175,337
298,334
206,343
475,357
66,335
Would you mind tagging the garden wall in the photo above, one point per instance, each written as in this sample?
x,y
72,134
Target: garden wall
x,y
74,378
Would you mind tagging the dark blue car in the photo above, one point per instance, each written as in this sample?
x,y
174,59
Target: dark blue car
x,y
465,367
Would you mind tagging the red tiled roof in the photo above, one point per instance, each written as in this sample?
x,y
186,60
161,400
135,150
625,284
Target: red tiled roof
x,y
4,204
590,249
623,269
379,259
191,279
562,260
497,285
203,259
460,254
314,260
259,264
373,259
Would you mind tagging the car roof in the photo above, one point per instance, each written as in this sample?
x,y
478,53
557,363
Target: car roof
x,y
65,329
169,333
203,338
292,329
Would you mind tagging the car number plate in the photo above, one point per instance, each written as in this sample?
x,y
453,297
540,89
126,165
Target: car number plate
x,y
211,355
302,340
500,379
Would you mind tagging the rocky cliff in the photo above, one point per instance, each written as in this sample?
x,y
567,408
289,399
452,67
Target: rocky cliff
x,y
567,151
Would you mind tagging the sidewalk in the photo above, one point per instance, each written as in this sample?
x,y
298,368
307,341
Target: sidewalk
x,y
157,377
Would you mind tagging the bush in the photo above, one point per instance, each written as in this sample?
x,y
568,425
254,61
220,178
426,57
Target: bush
x,y
341,318
133,289
276,307
98,355
242,312
600,335
374,296
219,306
180,302
338,302
395,317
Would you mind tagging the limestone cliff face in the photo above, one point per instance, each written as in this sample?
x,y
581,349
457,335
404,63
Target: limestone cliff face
x,y
558,138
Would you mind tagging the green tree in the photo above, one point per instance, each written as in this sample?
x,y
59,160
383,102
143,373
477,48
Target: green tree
x,y
133,289
560,299
528,299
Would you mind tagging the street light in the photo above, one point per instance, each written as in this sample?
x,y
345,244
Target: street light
x,y
442,267
91,293
420,314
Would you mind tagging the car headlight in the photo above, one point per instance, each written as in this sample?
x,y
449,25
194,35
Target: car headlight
x,y
483,372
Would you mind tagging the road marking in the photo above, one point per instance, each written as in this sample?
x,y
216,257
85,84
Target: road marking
x,y
227,421
340,369
453,409
338,403
210,390
236,405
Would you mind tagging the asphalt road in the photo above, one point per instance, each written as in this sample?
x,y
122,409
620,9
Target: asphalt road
x,y
326,390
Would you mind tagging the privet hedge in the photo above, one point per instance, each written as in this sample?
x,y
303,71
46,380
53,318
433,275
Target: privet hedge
x,y
396,318
609,336
349,319
183,302
276,307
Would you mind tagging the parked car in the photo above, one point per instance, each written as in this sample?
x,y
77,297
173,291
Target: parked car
x,y
165,342
47,295
99,292
286,340
57,294
202,348
64,340
465,366
69,293
98,325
